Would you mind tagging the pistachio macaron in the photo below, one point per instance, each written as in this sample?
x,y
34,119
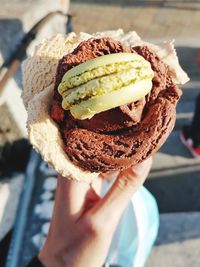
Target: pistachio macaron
x,y
104,83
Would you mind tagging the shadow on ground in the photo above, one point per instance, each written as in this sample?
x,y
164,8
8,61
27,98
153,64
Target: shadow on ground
x,y
178,227
11,29
178,192
188,57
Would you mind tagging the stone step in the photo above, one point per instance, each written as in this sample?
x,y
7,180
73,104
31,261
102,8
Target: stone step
x,y
191,90
178,242
188,57
15,23
173,155
175,177
10,189
185,112
186,105
18,16
176,190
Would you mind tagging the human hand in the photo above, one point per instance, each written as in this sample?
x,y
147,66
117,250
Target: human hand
x,y
83,224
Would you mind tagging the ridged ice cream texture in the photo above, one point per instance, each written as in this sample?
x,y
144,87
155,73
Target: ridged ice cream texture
x,y
104,83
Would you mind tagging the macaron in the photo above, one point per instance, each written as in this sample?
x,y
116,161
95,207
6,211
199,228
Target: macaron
x,y
104,83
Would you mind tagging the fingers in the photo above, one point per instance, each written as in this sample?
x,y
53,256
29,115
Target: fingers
x,y
126,184
109,175
73,198
70,198
130,179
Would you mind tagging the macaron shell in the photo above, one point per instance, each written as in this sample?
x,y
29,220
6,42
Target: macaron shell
x,y
87,109
101,61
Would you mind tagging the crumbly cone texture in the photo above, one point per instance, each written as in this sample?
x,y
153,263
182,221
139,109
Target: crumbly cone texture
x,y
39,72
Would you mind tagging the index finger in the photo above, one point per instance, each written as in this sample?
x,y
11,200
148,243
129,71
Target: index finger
x,y
72,196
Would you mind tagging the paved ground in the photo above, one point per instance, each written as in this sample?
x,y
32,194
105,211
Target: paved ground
x,y
175,178
154,19
178,243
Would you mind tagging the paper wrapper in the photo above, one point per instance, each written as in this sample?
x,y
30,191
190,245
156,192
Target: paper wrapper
x,y
39,73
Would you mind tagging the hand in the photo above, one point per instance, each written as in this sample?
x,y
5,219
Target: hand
x,y
83,224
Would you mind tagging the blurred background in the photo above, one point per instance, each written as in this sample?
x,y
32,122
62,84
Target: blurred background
x,y
27,185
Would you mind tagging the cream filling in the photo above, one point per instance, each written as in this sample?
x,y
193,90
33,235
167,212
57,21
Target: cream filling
x,y
96,73
104,85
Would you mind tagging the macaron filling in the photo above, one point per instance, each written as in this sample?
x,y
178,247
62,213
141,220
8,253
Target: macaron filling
x,y
100,71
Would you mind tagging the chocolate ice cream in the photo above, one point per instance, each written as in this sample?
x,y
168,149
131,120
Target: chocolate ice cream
x,y
123,136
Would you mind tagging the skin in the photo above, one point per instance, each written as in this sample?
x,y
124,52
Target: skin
x,y
83,224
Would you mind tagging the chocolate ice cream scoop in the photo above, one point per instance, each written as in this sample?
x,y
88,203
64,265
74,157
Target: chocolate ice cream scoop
x,y
123,136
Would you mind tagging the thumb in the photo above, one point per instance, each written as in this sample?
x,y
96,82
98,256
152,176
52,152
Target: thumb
x,y
129,180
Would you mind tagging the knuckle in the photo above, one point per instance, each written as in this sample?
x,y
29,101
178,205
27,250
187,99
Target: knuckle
x,y
126,179
92,226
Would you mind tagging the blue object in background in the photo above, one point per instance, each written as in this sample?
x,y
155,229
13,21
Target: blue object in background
x,y
136,231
